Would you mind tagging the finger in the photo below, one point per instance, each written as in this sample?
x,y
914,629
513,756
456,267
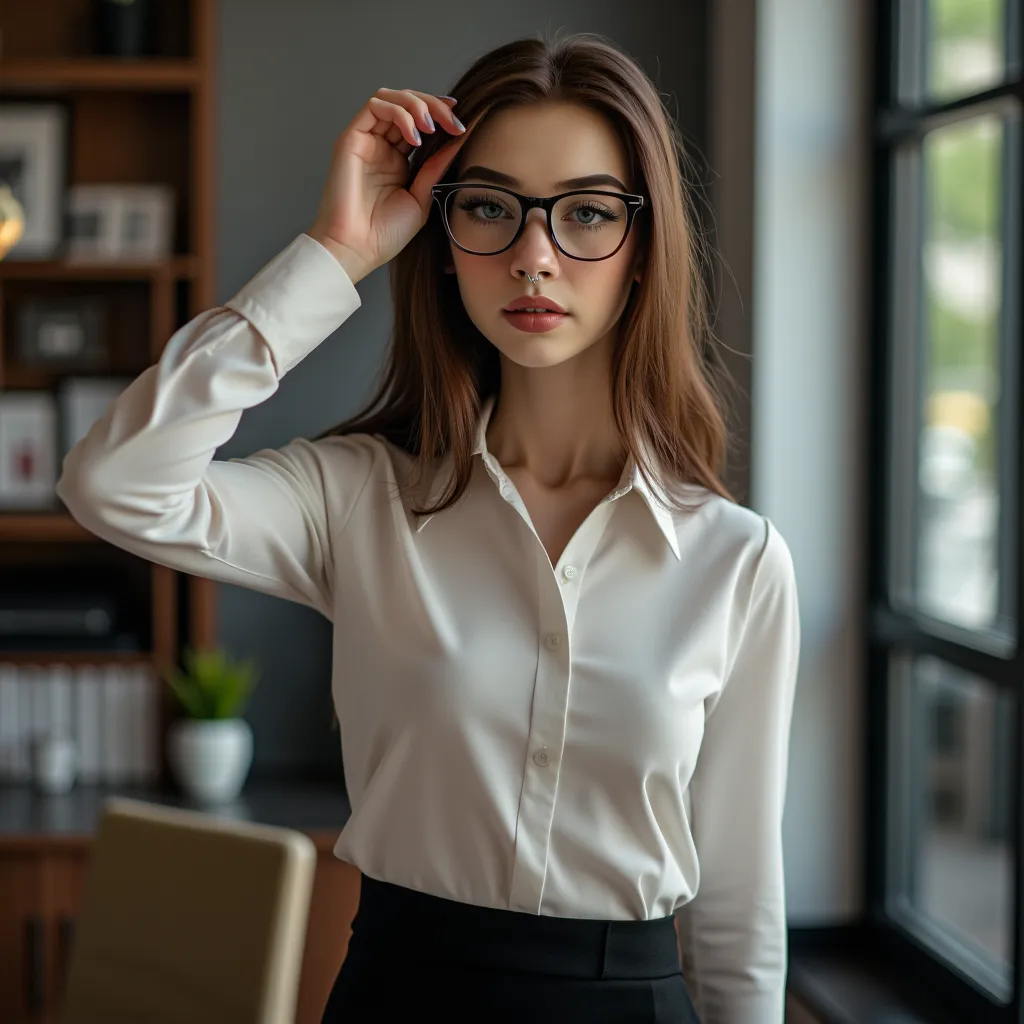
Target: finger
x,y
436,165
385,114
415,103
369,121
397,139
441,109
395,136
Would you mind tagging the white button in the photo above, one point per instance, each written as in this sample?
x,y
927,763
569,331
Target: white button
x,y
569,572
551,641
541,757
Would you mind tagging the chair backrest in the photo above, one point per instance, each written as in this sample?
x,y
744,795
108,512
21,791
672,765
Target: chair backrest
x,y
188,918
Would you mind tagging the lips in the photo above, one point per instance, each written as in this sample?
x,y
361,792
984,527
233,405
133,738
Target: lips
x,y
534,302
535,323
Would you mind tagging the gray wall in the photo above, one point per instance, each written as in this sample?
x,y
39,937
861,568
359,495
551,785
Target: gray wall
x,y
291,78
812,146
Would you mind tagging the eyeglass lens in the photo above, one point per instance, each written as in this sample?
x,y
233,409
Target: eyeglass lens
x,y
485,221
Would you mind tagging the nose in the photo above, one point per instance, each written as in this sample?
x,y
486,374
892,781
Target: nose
x,y
536,225
536,247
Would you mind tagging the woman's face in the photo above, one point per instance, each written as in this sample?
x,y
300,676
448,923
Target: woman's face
x,y
537,147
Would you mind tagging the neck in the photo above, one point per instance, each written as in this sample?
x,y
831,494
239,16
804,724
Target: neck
x,y
555,423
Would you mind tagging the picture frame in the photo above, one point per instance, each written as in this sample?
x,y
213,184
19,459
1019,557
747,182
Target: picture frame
x,y
119,222
28,449
33,163
146,222
61,333
81,401
91,223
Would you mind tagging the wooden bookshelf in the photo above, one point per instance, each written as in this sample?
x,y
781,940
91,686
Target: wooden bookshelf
x,y
49,527
134,121
147,120
184,267
145,75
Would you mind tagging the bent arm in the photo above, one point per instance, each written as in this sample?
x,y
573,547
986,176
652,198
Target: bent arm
x,y
144,478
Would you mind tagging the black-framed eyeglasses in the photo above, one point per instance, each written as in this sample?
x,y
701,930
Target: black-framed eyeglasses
x,y
586,224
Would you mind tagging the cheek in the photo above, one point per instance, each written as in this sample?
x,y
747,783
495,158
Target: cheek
x,y
606,290
482,283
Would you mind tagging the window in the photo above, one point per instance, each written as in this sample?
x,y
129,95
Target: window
x,y
946,675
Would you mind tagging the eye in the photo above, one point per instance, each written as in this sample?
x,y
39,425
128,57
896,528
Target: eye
x,y
595,217
473,203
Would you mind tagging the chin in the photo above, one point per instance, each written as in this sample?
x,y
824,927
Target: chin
x,y
538,350
536,360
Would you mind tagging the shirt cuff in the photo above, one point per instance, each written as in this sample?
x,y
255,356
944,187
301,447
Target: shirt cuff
x,y
297,300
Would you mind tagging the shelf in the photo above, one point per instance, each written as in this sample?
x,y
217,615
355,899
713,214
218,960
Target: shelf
x,y
179,267
130,658
17,378
42,526
150,74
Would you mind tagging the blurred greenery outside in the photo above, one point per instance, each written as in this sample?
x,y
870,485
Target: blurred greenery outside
x,y
963,233
952,814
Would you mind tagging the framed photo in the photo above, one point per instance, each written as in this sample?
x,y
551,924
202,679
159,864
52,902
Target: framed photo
x,y
92,230
28,449
146,222
33,154
66,334
81,402
119,222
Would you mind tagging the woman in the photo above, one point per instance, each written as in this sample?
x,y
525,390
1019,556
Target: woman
x,y
565,657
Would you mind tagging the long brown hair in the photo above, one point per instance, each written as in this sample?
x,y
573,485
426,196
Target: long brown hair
x,y
665,381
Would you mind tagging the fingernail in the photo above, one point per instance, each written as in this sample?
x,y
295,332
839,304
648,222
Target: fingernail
x,y
429,122
452,98
417,136
458,123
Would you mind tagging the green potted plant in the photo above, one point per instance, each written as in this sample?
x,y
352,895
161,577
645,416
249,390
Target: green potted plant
x,y
210,747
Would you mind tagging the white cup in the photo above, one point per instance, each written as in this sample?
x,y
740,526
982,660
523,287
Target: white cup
x,y
55,764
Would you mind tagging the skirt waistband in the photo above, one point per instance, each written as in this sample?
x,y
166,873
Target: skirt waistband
x,y
443,930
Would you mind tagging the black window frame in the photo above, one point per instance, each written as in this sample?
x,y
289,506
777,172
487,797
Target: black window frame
x,y
891,631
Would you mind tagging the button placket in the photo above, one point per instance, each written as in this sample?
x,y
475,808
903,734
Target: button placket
x,y
544,742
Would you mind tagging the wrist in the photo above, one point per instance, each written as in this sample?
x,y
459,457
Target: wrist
x,y
353,266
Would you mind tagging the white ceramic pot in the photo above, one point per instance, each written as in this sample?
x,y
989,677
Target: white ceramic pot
x,y
210,758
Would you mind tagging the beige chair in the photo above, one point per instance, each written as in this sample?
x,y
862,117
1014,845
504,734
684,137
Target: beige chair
x,y
188,918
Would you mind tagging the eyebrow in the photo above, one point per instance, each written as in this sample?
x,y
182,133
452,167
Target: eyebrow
x,y
500,178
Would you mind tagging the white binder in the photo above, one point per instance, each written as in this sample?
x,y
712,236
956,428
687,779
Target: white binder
x,y
88,730
116,724
57,682
10,722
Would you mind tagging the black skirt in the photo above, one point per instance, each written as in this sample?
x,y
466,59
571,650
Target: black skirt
x,y
417,955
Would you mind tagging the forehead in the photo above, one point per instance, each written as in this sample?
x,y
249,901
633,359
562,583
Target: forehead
x,y
546,142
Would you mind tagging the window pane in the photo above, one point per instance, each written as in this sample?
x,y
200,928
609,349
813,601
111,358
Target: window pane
x,y
951,856
957,514
965,46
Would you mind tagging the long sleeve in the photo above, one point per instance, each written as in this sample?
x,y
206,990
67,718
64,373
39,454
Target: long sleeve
x,y
144,478
733,933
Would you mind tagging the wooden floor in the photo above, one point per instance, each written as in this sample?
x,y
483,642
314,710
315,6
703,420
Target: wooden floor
x,y
797,1013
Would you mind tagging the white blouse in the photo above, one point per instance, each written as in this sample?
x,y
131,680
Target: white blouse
x,y
605,738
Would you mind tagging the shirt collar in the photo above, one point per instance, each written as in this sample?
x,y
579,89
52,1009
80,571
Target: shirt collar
x,y
630,480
